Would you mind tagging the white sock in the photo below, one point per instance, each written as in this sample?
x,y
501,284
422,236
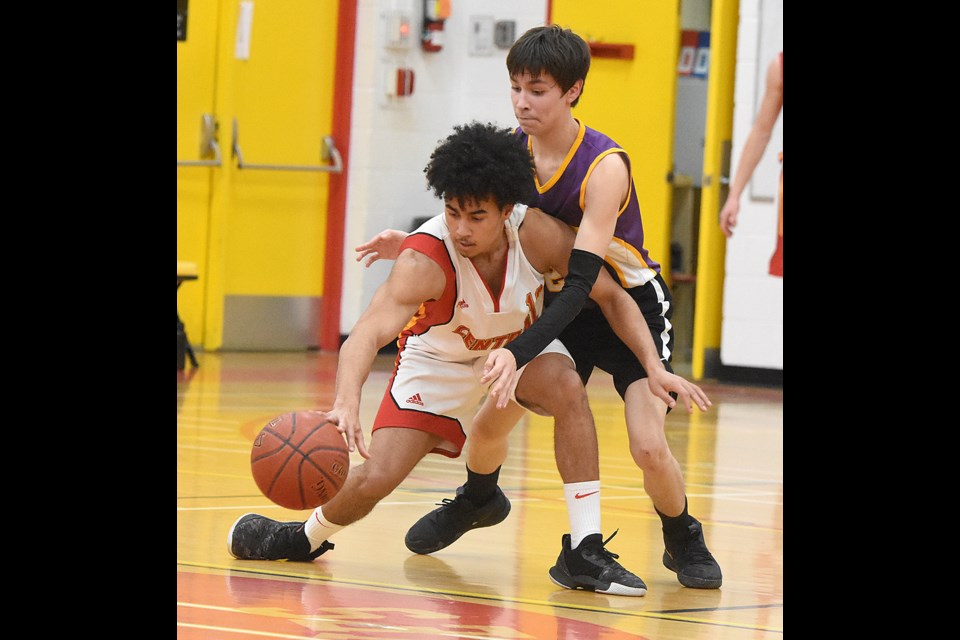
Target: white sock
x,y
319,529
583,509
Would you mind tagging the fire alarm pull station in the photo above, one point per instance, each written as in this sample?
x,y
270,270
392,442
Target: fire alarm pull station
x,y
399,82
404,82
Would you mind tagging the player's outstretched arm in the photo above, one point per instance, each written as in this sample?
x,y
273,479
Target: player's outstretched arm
x,y
413,280
606,191
628,323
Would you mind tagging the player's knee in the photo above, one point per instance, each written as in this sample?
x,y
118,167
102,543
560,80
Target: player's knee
x,y
564,395
569,382
568,392
651,457
370,485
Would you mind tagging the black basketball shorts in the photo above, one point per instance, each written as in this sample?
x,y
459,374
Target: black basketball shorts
x,y
593,343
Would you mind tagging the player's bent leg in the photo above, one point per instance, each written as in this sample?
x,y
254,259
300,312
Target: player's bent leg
x,y
645,417
551,386
556,389
394,452
487,450
685,549
489,433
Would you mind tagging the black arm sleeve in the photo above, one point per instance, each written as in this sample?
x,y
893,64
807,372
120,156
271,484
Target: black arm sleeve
x,y
583,270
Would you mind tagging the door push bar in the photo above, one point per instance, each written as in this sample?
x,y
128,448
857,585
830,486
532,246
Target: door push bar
x,y
328,153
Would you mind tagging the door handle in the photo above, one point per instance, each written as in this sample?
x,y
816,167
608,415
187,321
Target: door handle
x,y
208,145
328,152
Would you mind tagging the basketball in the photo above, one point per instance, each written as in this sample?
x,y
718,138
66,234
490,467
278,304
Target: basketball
x,y
299,460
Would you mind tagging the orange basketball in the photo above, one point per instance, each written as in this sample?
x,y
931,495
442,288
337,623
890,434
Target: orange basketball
x,y
299,460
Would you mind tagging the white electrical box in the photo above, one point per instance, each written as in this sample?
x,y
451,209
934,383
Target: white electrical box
x,y
398,29
504,33
481,36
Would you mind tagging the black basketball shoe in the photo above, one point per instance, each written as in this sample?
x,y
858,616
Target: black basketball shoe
x,y
592,567
442,527
686,554
254,537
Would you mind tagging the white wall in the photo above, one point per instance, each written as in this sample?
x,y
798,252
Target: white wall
x,y
392,138
391,141
752,332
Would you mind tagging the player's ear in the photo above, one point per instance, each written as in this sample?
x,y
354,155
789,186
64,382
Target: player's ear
x,y
506,211
574,92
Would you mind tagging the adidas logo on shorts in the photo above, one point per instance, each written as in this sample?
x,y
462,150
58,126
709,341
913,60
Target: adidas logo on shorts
x,y
415,399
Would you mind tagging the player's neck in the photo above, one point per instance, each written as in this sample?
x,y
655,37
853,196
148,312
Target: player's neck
x,y
491,265
558,140
549,151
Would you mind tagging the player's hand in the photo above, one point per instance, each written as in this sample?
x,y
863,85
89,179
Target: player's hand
x,y
728,216
383,246
348,423
501,369
662,382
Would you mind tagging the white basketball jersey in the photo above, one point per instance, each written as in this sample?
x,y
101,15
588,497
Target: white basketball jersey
x,y
467,321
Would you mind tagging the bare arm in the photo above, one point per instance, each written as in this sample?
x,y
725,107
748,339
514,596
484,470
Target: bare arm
x,y
624,316
547,241
413,280
608,190
755,145
383,246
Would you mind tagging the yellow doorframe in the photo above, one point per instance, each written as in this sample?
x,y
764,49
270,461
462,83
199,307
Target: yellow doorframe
x,y
711,246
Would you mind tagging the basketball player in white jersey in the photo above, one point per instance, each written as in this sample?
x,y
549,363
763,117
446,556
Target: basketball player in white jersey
x,y
465,283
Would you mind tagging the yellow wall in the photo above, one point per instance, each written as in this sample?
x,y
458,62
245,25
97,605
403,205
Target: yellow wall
x,y
633,101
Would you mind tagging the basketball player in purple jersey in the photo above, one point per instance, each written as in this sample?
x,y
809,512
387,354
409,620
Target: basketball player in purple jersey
x,y
584,178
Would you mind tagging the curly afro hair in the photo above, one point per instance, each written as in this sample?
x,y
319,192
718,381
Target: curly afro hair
x,y
480,161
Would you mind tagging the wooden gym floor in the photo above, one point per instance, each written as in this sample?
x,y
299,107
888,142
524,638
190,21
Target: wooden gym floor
x,y
493,582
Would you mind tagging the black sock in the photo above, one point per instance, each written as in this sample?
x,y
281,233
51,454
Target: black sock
x,y
675,525
480,487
